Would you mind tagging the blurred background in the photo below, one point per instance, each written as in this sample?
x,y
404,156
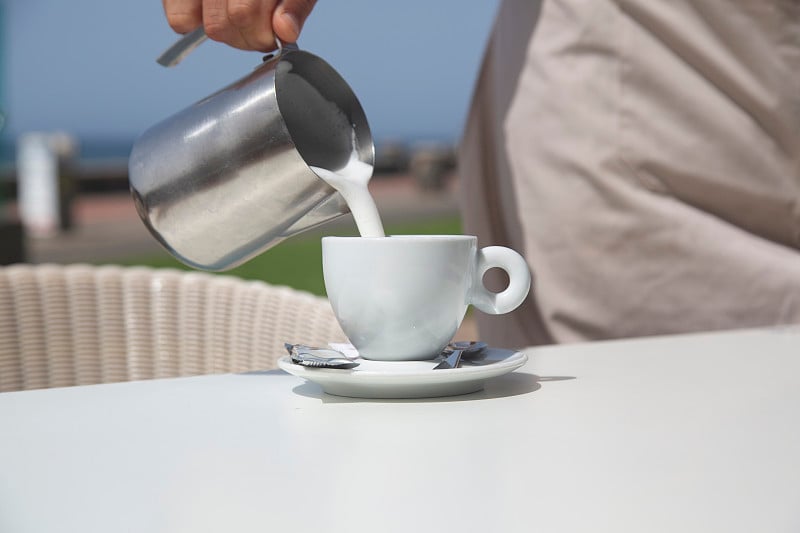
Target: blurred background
x,y
79,83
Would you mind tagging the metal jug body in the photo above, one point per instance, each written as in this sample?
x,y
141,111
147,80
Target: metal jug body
x,y
228,177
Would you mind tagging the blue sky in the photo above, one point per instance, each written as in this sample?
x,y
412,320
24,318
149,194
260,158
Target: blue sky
x,y
88,66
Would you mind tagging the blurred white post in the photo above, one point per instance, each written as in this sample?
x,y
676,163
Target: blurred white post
x,y
41,187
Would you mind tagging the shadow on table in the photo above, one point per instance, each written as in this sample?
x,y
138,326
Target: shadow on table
x,y
513,384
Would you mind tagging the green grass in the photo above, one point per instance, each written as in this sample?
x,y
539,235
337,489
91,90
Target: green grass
x,y
297,262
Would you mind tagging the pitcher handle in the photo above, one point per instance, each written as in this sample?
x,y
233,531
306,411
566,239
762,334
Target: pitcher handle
x,y
185,44
182,47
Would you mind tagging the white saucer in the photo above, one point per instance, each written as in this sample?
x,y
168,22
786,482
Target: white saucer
x,y
408,379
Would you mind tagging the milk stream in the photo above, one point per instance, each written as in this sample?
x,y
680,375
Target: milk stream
x,y
351,182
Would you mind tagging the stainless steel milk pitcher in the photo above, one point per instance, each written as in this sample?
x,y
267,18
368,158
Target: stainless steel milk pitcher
x,y
223,180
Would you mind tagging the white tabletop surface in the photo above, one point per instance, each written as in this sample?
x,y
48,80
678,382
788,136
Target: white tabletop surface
x,y
679,434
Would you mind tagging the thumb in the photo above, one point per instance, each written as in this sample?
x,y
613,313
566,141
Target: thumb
x,y
289,17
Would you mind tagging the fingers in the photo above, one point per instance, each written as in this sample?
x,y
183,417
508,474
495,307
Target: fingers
x,y
183,15
289,17
245,24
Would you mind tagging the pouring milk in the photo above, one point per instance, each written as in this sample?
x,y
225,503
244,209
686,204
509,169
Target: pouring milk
x,y
352,183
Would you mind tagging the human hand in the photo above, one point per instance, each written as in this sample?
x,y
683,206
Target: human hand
x,y
244,24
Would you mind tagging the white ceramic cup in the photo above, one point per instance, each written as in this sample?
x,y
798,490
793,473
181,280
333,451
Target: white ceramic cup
x,y
403,297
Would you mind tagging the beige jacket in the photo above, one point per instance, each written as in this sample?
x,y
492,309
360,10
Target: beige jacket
x,y
645,157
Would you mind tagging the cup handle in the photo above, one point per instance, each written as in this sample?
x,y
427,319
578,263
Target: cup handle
x,y
519,280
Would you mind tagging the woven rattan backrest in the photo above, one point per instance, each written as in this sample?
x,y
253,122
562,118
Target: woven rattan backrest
x,y
82,324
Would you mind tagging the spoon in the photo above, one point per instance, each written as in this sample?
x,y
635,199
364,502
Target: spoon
x,y
455,350
318,357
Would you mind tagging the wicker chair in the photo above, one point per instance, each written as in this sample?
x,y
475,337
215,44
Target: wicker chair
x,y
81,324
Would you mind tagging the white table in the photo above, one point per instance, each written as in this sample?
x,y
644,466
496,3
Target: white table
x,y
679,434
